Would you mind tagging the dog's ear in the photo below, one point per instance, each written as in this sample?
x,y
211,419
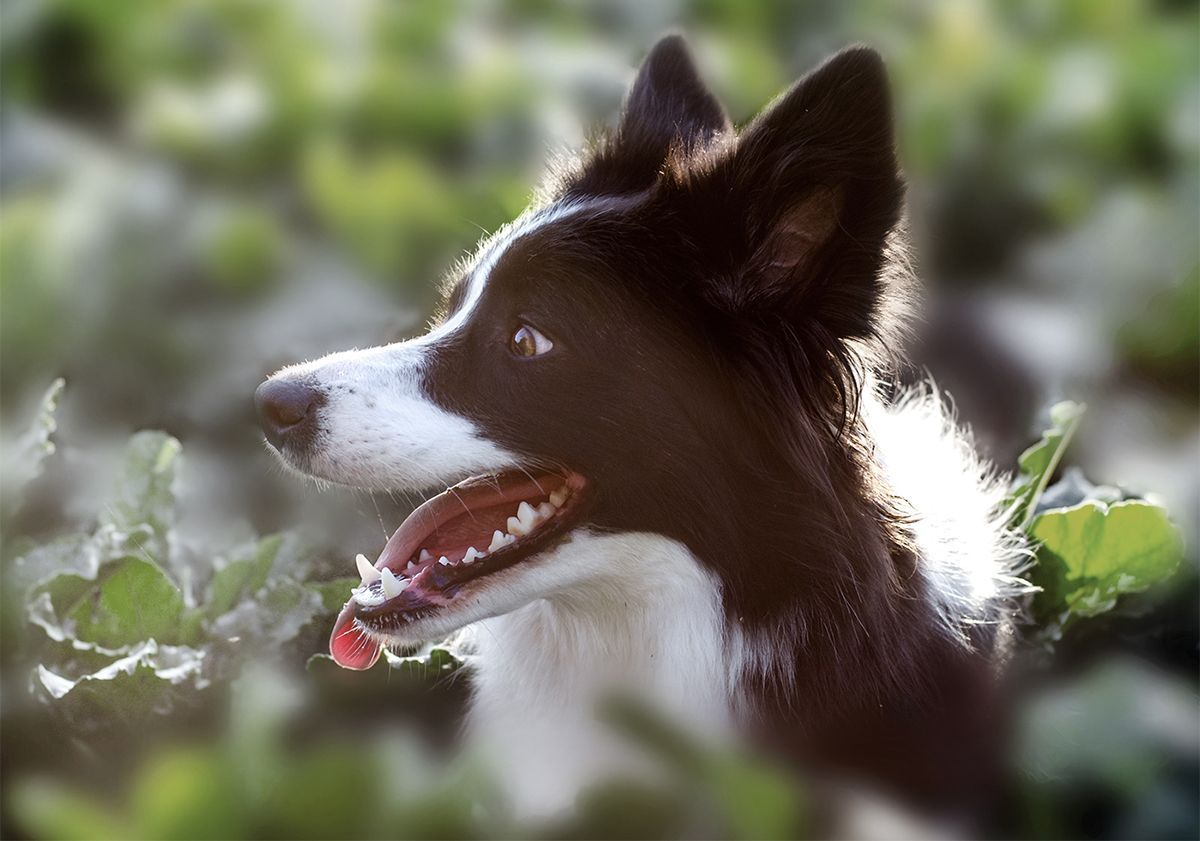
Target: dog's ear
x,y
815,191
668,110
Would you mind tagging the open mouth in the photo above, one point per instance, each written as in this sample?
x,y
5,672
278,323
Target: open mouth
x,y
476,529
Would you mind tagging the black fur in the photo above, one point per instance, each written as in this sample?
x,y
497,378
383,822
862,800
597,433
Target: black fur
x,y
714,317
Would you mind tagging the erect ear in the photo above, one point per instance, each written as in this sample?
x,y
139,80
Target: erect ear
x,y
668,109
816,183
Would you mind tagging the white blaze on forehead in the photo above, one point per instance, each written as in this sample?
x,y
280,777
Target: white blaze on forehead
x,y
495,248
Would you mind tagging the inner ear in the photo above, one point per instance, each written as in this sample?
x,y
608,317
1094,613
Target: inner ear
x,y
799,233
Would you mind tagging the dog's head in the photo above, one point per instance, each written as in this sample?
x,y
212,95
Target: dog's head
x,y
605,361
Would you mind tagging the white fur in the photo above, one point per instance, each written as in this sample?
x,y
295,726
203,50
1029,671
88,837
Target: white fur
x,y
969,558
626,613
378,429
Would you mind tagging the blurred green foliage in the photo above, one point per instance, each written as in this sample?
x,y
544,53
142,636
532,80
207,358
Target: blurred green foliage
x,y
173,172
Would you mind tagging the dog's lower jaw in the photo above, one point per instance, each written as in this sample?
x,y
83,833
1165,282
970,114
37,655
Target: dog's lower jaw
x,y
648,624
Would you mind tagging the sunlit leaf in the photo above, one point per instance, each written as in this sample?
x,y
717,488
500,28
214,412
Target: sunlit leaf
x,y
335,593
1091,554
243,575
128,688
144,506
1038,463
133,600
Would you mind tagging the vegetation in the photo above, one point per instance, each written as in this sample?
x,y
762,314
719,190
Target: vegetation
x,y
195,193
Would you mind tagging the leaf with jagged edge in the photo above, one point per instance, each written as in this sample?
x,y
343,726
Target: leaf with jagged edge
x,y
128,688
1090,554
143,509
242,576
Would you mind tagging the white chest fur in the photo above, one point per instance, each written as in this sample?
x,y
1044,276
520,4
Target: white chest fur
x,y
641,616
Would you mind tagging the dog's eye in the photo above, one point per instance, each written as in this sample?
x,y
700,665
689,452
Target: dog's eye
x,y
527,341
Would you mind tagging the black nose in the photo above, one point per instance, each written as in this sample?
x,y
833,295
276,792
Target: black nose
x,y
286,410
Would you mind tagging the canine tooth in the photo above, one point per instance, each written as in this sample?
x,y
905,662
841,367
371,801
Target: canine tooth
x,y
497,540
516,527
527,515
424,556
444,561
392,586
366,569
471,555
546,510
559,497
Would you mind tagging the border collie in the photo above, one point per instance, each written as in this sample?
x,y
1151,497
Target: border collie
x,y
655,403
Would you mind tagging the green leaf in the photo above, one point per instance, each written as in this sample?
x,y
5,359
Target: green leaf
x,y
77,554
334,593
132,601
1037,464
1090,554
129,688
144,508
277,614
242,576
430,660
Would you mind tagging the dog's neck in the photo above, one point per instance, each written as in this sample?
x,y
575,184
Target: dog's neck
x,y
645,619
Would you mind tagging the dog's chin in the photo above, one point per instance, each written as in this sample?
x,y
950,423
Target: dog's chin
x,y
483,547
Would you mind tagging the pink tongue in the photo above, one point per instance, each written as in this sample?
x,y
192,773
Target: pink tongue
x,y
350,646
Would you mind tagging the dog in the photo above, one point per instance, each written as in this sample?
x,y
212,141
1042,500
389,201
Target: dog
x,y
655,402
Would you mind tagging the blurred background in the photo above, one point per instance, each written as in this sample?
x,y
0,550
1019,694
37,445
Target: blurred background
x,y
195,193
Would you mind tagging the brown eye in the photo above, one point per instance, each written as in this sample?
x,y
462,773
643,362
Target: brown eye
x,y
527,341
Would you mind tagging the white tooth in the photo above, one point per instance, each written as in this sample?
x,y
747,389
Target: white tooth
x,y
546,510
559,497
368,597
497,540
527,516
411,566
444,561
366,569
392,586
424,556
471,555
510,538
516,527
